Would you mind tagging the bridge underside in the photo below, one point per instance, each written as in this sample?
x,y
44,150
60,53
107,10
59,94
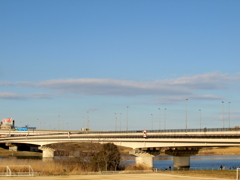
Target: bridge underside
x,y
138,143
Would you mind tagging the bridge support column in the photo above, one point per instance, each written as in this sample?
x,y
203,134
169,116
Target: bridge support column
x,y
47,152
181,156
143,157
12,147
148,161
181,162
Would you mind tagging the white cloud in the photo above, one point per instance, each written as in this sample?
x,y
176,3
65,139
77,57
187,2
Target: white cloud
x,y
213,80
5,83
108,87
181,86
174,99
8,95
178,89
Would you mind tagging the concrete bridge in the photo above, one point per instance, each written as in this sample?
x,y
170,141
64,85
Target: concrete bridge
x,y
181,143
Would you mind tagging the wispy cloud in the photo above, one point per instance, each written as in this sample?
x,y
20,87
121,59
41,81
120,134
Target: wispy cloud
x,y
166,90
174,99
108,87
213,80
8,95
5,83
113,87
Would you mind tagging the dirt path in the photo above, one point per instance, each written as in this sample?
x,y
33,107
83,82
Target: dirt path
x,y
154,176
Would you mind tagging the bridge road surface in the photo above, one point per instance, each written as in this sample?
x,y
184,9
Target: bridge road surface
x,y
152,176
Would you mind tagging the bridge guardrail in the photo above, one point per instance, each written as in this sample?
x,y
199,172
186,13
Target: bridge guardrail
x,y
163,131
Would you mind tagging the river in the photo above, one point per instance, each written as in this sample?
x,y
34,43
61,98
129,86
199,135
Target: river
x,y
201,162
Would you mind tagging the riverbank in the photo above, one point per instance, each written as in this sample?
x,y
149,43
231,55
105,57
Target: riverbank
x,y
219,151
6,152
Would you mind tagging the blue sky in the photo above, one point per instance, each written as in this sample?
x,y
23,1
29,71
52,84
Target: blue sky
x,y
67,58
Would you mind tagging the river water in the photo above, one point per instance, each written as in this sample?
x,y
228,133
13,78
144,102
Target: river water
x,y
201,162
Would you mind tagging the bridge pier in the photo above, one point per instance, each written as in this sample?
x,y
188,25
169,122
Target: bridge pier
x,y
12,147
47,152
144,156
181,156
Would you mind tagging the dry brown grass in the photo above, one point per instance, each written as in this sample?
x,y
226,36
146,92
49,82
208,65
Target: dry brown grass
x,y
59,167
220,151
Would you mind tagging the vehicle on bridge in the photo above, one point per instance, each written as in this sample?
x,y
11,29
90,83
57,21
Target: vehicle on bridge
x,y
7,123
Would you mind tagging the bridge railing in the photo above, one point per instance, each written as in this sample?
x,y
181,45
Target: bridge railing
x,y
164,131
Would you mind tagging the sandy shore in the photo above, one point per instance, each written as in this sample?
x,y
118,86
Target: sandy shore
x,y
153,176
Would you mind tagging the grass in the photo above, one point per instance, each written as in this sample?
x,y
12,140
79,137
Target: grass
x,y
219,151
60,167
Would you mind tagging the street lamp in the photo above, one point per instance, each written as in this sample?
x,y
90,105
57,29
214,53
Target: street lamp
x,y
115,122
152,121
120,121
159,119
229,114
87,119
165,119
186,114
58,122
223,112
200,119
127,120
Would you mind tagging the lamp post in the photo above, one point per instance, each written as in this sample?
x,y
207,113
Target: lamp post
x,y
127,120
115,122
186,114
83,121
159,119
229,114
58,122
120,121
87,119
165,119
200,119
152,121
223,112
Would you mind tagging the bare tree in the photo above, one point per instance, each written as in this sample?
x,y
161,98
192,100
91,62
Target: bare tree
x,y
108,158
